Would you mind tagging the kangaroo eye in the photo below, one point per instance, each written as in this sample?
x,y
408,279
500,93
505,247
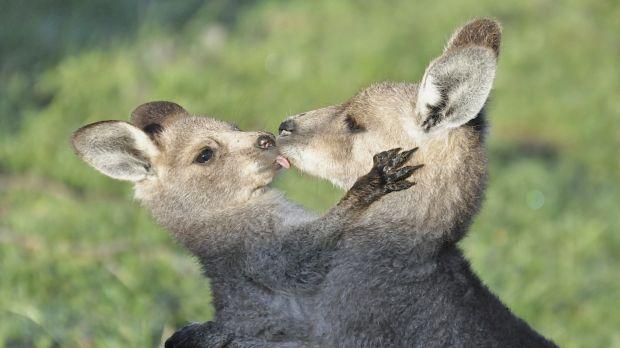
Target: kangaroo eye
x,y
352,124
204,155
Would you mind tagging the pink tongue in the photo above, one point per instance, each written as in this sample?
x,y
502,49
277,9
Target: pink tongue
x,y
281,160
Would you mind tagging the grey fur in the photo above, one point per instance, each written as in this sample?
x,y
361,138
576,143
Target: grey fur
x,y
396,278
264,255
401,281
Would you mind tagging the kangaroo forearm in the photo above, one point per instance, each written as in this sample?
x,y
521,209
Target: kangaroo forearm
x,y
305,251
324,232
386,176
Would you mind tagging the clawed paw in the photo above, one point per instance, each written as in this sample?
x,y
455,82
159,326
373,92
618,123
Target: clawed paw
x,y
388,165
387,175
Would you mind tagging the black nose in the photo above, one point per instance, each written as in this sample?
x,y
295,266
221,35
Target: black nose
x,y
286,126
266,141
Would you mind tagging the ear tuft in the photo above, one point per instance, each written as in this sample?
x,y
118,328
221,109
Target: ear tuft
x,y
154,113
116,149
483,32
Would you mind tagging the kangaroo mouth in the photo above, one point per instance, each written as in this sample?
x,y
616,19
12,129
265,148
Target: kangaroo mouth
x,y
282,162
275,164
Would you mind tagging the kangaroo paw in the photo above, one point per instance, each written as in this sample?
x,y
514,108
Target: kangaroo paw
x,y
387,175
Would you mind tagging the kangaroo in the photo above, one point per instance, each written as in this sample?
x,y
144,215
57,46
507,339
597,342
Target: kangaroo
x,y
404,282
208,183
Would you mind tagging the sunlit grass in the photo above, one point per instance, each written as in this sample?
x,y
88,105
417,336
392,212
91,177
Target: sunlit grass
x,y
83,265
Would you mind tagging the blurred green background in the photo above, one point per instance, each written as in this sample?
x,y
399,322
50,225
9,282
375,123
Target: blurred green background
x,y
82,265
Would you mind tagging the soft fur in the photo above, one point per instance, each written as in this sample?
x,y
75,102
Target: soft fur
x,y
397,279
402,281
265,256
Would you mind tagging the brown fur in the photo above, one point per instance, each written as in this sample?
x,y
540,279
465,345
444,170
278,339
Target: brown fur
x,y
156,112
263,254
457,156
182,194
387,114
482,32
401,281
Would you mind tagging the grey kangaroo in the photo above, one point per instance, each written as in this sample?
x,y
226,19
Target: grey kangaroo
x,y
401,281
208,183
404,282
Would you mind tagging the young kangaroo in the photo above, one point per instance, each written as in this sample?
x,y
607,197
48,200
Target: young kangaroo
x,y
208,184
405,283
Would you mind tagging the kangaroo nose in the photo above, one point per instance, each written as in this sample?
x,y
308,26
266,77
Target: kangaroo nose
x,y
266,141
287,127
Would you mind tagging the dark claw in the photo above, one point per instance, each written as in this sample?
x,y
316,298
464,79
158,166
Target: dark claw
x,y
401,174
382,157
399,185
391,175
401,158
386,176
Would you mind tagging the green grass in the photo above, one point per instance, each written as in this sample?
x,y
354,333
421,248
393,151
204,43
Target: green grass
x,y
82,265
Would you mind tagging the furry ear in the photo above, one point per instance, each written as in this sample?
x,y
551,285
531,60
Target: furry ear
x,y
150,116
456,85
483,32
116,149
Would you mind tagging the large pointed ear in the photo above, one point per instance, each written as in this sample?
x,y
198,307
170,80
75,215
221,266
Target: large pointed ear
x,y
151,116
116,148
456,85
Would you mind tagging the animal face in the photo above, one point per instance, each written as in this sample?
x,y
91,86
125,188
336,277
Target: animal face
x,y
337,142
168,153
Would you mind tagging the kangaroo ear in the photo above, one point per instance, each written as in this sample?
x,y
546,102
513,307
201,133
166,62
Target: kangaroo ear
x,y
150,116
483,32
116,148
456,85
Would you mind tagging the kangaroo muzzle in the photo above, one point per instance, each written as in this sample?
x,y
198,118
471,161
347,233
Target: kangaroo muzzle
x,y
266,141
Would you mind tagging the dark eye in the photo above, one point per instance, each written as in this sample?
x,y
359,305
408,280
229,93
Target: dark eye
x,y
352,124
204,155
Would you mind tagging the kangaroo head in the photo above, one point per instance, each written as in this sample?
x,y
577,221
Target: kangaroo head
x,y
437,115
179,160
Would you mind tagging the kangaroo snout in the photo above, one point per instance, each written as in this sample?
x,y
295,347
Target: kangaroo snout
x,y
286,128
266,141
